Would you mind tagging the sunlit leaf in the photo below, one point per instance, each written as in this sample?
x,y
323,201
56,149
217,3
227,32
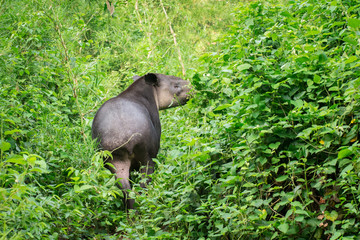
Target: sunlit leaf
x,y
282,178
243,67
351,40
221,107
332,216
12,131
284,227
344,153
354,22
16,159
351,59
4,146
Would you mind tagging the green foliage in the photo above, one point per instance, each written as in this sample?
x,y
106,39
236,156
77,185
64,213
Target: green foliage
x,y
268,148
279,125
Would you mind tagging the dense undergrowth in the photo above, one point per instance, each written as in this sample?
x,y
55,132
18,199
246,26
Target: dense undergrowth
x,y
268,148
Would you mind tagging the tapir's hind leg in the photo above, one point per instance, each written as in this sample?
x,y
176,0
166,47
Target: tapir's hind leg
x,y
146,170
122,172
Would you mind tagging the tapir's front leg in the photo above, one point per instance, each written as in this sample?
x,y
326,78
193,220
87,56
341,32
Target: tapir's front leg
x,y
122,172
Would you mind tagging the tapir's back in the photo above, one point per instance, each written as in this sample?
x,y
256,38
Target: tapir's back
x,y
124,124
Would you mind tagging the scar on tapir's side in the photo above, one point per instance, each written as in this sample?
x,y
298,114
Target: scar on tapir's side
x,y
128,125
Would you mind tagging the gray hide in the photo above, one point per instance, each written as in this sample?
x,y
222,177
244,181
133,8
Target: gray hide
x,y
128,125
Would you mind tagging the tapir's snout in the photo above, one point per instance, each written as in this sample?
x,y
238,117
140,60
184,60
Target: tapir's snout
x,y
185,94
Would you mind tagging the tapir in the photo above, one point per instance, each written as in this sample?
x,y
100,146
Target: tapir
x,y
128,125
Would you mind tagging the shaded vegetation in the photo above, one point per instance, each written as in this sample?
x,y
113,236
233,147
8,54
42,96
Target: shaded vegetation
x,y
267,149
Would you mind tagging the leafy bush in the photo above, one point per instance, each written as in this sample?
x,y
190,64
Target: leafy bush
x,y
278,128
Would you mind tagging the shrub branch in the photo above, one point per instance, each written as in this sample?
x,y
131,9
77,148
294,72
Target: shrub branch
x,y
71,75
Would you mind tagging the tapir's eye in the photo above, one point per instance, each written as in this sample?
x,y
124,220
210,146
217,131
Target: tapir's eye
x,y
176,86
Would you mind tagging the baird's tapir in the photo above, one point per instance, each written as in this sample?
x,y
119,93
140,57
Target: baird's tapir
x,y
128,125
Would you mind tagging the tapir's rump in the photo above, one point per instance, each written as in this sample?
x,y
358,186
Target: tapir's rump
x,y
128,125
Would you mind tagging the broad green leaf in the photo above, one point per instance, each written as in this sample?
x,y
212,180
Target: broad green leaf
x,y
331,216
302,212
274,145
353,22
41,163
297,204
274,236
85,187
282,178
332,162
317,79
221,107
249,185
334,89
75,178
31,160
350,39
322,57
10,121
337,235
351,59
275,160
251,138
226,70
297,103
4,146
36,169
289,213
344,162
313,32
16,159
243,67
284,227
258,84
310,82
286,14
344,153
302,59
257,203
249,22
347,169
12,131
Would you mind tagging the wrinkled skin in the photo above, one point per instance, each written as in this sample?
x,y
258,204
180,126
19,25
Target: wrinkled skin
x,y
128,125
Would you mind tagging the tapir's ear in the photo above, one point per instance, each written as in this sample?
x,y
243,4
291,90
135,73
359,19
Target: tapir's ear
x,y
136,77
151,79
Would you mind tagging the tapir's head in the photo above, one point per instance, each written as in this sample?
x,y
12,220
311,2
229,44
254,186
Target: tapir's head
x,y
169,91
